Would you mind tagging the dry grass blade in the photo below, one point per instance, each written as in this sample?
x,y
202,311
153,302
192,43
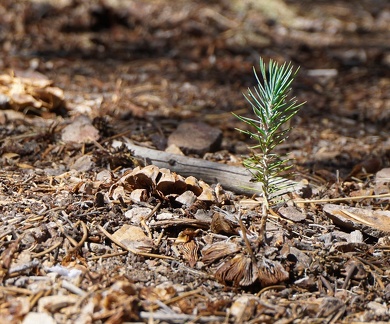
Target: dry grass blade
x,y
109,255
247,243
320,201
37,255
16,290
84,238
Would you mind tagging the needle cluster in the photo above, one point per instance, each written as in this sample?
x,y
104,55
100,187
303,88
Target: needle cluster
x,y
273,108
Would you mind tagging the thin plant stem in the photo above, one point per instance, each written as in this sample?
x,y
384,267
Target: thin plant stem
x,y
273,107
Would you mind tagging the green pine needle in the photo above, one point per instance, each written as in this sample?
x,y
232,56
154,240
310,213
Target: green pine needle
x,y
273,108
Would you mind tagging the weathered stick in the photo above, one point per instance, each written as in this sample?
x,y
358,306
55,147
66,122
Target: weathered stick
x,y
233,178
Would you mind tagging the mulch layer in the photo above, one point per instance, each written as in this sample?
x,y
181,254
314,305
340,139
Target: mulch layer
x,y
92,233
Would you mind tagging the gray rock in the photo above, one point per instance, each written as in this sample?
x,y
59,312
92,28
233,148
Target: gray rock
x,y
80,130
292,214
196,138
382,183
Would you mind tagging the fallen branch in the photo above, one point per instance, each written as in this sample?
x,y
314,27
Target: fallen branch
x,y
233,178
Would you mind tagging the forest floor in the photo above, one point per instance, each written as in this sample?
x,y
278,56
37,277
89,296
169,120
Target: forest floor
x,y
89,234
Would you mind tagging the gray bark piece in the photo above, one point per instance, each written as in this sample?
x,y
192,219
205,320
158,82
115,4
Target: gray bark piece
x,y
233,178
375,223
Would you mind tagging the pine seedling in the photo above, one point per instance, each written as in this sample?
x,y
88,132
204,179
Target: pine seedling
x,y
273,108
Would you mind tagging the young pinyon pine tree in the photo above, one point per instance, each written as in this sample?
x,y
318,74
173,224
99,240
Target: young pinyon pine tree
x,y
273,108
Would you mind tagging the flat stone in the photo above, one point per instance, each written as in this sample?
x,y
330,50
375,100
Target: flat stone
x,y
137,214
83,164
196,138
382,183
292,214
80,130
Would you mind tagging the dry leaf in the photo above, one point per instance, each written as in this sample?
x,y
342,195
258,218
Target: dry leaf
x,y
221,195
10,158
240,271
132,237
207,194
187,235
141,178
139,195
24,166
137,214
30,89
6,258
271,272
222,224
83,164
193,185
116,192
122,298
170,183
187,198
215,251
189,252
